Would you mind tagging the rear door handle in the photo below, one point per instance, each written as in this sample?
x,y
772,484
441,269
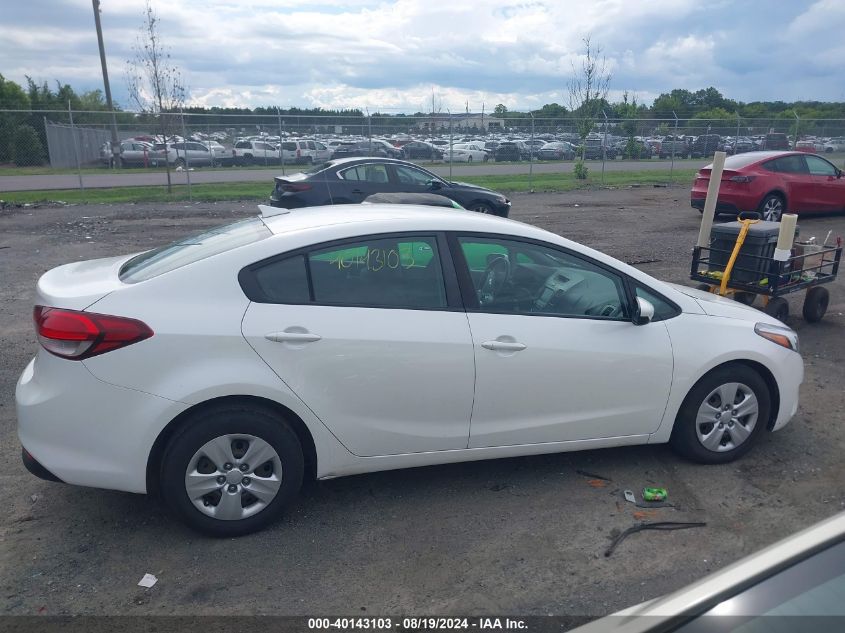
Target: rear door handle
x,y
503,346
292,337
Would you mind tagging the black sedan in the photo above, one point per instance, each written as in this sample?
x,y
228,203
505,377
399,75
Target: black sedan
x,y
351,180
421,149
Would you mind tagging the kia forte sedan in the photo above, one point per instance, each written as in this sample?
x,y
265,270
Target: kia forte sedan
x,y
223,370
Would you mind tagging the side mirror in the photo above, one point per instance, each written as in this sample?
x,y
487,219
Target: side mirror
x,y
434,184
644,312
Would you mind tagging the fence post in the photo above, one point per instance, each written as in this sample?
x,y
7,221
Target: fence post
x,y
604,146
75,146
531,157
797,126
450,144
674,141
281,140
187,159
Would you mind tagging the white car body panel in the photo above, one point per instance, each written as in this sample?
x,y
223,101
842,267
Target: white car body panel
x,y
401,380
199,352
556,389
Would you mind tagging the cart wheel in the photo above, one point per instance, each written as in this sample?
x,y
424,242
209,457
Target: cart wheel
x,y
777,307
746,298
704,287
815,304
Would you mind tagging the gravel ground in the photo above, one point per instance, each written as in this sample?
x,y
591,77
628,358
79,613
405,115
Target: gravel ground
x,y
515,536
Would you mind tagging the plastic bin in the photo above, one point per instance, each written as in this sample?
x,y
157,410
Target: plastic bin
x,y
754,261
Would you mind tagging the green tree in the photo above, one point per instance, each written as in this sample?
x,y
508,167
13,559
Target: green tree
x,y
500,110
12,97
26,147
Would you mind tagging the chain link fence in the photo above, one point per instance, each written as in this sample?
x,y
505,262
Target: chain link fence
x,y
80,142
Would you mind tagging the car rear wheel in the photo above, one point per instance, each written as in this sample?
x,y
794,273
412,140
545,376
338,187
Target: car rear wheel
x,y
722,415
248,159
772,207
231,470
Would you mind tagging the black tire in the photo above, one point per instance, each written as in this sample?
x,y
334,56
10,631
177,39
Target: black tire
x,y
207,425
469,159
772,207
685,438
745,298
179,162
778,307
704,287
248,159
480,206
815,304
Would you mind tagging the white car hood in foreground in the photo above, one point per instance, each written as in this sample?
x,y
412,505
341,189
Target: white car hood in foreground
x,y
715,305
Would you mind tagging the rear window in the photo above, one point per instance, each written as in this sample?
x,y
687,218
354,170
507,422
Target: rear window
x,y
192,249
738,161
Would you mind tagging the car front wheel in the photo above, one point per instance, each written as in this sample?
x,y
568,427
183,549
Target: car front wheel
x,y
722,415
231,470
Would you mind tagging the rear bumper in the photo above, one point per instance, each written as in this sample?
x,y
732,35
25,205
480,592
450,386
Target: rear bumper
x,y
722,206
80,430
35,467
733,202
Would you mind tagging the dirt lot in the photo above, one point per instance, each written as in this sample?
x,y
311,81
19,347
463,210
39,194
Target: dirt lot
x,y
517,536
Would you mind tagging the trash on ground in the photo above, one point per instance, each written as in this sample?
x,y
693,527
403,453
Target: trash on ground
x,y
632,498
655,494
592,475
662,526
148,581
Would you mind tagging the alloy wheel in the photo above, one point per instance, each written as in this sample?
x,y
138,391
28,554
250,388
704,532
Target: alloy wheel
x,y
773,209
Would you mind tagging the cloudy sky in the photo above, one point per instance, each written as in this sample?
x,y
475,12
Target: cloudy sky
x,y
391,55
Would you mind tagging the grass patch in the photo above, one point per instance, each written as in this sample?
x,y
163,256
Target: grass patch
x,y
260,191
200,193
568,181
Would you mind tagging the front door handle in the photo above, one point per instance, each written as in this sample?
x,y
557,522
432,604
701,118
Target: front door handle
x,y
357,192
292,337
503,346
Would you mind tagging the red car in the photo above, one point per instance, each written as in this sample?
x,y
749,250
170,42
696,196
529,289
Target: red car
x,y
772,183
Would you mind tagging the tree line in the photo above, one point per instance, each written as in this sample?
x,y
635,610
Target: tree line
x,y
23,136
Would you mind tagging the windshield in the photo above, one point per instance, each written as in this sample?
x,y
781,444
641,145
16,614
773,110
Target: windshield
x,y
192,249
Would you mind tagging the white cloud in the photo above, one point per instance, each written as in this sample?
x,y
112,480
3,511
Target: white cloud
x,y
388,54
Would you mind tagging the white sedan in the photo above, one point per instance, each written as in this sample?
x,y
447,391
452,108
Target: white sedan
x,y
226,368
465,153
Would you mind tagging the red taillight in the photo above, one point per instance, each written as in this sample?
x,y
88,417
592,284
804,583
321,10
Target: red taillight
x,y
742,178
77,335
294,187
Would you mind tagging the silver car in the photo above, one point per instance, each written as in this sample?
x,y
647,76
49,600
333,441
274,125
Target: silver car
x,y
797,584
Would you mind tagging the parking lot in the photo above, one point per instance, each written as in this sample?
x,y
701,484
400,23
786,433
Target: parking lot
x,y
517,536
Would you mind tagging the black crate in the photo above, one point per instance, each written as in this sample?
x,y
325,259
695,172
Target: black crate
x,y
754,261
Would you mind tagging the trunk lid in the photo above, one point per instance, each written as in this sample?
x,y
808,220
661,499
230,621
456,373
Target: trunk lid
x,y
76,286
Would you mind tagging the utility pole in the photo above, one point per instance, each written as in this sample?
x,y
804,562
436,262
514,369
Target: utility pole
x,y
115,143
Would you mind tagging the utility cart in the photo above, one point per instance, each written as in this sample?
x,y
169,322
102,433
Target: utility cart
x,y
739,262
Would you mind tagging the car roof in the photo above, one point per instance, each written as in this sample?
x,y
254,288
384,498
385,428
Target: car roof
x,y
738,161
416,217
